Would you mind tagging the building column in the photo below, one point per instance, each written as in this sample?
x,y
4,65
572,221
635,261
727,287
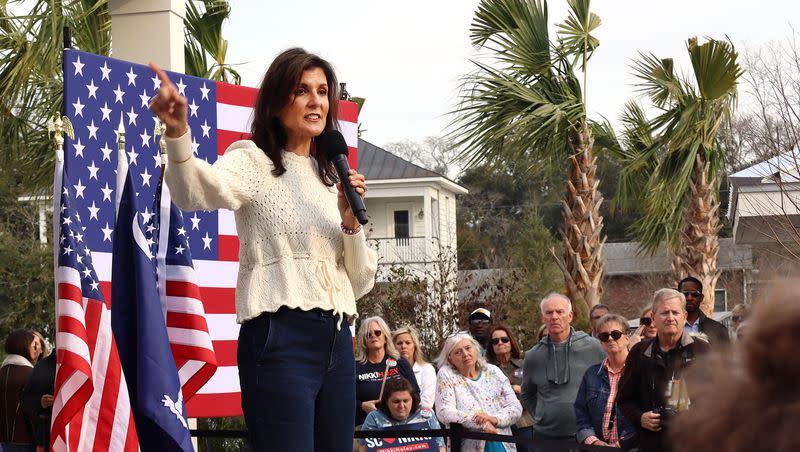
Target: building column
x,y
426,207
148,30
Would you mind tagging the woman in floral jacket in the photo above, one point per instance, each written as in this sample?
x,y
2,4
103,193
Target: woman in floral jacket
x,y
474,394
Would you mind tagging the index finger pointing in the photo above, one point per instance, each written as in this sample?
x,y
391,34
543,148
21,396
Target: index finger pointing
x,y
165,81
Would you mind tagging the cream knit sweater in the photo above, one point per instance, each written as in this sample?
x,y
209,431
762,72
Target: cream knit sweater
x,y
292,251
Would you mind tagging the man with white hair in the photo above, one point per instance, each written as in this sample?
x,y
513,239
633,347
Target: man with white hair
x,y
554,368
651,390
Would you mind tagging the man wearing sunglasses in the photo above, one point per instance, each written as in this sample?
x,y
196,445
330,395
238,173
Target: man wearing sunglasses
x,y
480,322
652,388
696,320
553,370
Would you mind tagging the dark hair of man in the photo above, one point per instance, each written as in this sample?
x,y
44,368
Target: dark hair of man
x,y
690,279
398,384
19,342
279,82
598,306
516,353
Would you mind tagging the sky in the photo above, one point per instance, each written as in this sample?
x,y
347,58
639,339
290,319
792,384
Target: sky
x,y
406,57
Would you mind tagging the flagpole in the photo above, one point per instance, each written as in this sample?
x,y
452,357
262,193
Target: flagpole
x,y
58,126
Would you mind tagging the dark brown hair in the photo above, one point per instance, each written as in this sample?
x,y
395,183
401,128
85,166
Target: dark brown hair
x,y
746,398
279,82
19,342
398,384
516,353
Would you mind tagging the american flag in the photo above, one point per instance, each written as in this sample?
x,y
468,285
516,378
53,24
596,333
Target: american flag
x,y
91,408
99,89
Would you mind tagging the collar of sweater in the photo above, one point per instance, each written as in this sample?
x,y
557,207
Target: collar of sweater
x,y
17,360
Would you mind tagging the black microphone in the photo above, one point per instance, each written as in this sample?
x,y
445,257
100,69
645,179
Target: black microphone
x,y
331,143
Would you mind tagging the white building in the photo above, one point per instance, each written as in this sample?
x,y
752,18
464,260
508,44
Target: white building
x,y
412,211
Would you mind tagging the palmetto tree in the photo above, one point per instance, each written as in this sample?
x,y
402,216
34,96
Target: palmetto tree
x,y
31,86
203,38
529,105
675,173
31,83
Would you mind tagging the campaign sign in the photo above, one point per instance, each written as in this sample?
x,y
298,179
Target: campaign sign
x,y
403,444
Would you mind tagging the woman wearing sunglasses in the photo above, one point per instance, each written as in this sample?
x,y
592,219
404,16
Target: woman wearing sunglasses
x,y
377,361
503,351
598,420
646,330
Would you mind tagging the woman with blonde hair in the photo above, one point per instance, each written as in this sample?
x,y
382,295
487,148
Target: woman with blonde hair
x,y
376,361
406,339
475,394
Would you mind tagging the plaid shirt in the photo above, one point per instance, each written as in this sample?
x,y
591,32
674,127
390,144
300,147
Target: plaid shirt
x,y
610,434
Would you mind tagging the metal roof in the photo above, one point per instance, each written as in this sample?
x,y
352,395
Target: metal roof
x,y
622,258
376,163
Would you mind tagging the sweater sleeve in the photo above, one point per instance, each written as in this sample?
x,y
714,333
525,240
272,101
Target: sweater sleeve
x,y
197,185
511,409
427,386
447,409
408,373
360,262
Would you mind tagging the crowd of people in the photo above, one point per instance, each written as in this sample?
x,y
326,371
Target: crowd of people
x,y
27,379
608,387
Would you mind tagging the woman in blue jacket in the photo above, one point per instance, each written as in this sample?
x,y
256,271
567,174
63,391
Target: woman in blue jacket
x,y
598,420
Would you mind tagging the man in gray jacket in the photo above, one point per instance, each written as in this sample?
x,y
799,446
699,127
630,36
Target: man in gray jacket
x,y
554,369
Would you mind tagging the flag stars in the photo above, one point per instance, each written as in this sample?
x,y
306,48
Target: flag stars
x,y
156,82
206,242
132,117
193,107
157,160
107,193
67,251
92,89
195,222
79,237
87,272
78,106
78,66
146,177
195,146
145,139
93,171
106,71
106,112
206,128
146,215
92,130
106,152
79,189
67,221
204,91
94,285
93,210
78,148
107,232
179,249
118,94
144,98
131,77
181,231
181,87
132,156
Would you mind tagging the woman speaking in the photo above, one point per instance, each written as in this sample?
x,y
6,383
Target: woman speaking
x,y
303,258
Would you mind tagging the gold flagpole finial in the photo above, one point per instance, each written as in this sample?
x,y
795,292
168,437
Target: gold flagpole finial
x,y
59,125
121,133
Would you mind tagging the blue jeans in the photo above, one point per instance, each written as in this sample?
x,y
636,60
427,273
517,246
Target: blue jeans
x,y
297,375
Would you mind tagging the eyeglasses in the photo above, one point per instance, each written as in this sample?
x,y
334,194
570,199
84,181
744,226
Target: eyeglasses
x,y
694,293
480,322
616,334
504,339
646,321
376,333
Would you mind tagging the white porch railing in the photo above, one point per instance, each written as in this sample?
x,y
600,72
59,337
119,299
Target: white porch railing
x,y
403,250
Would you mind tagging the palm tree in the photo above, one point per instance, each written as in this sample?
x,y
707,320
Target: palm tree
x,y
31,83
203,37
530,106
675,176
31,86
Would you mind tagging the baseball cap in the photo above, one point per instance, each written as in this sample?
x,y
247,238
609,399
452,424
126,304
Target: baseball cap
x,y
480,313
